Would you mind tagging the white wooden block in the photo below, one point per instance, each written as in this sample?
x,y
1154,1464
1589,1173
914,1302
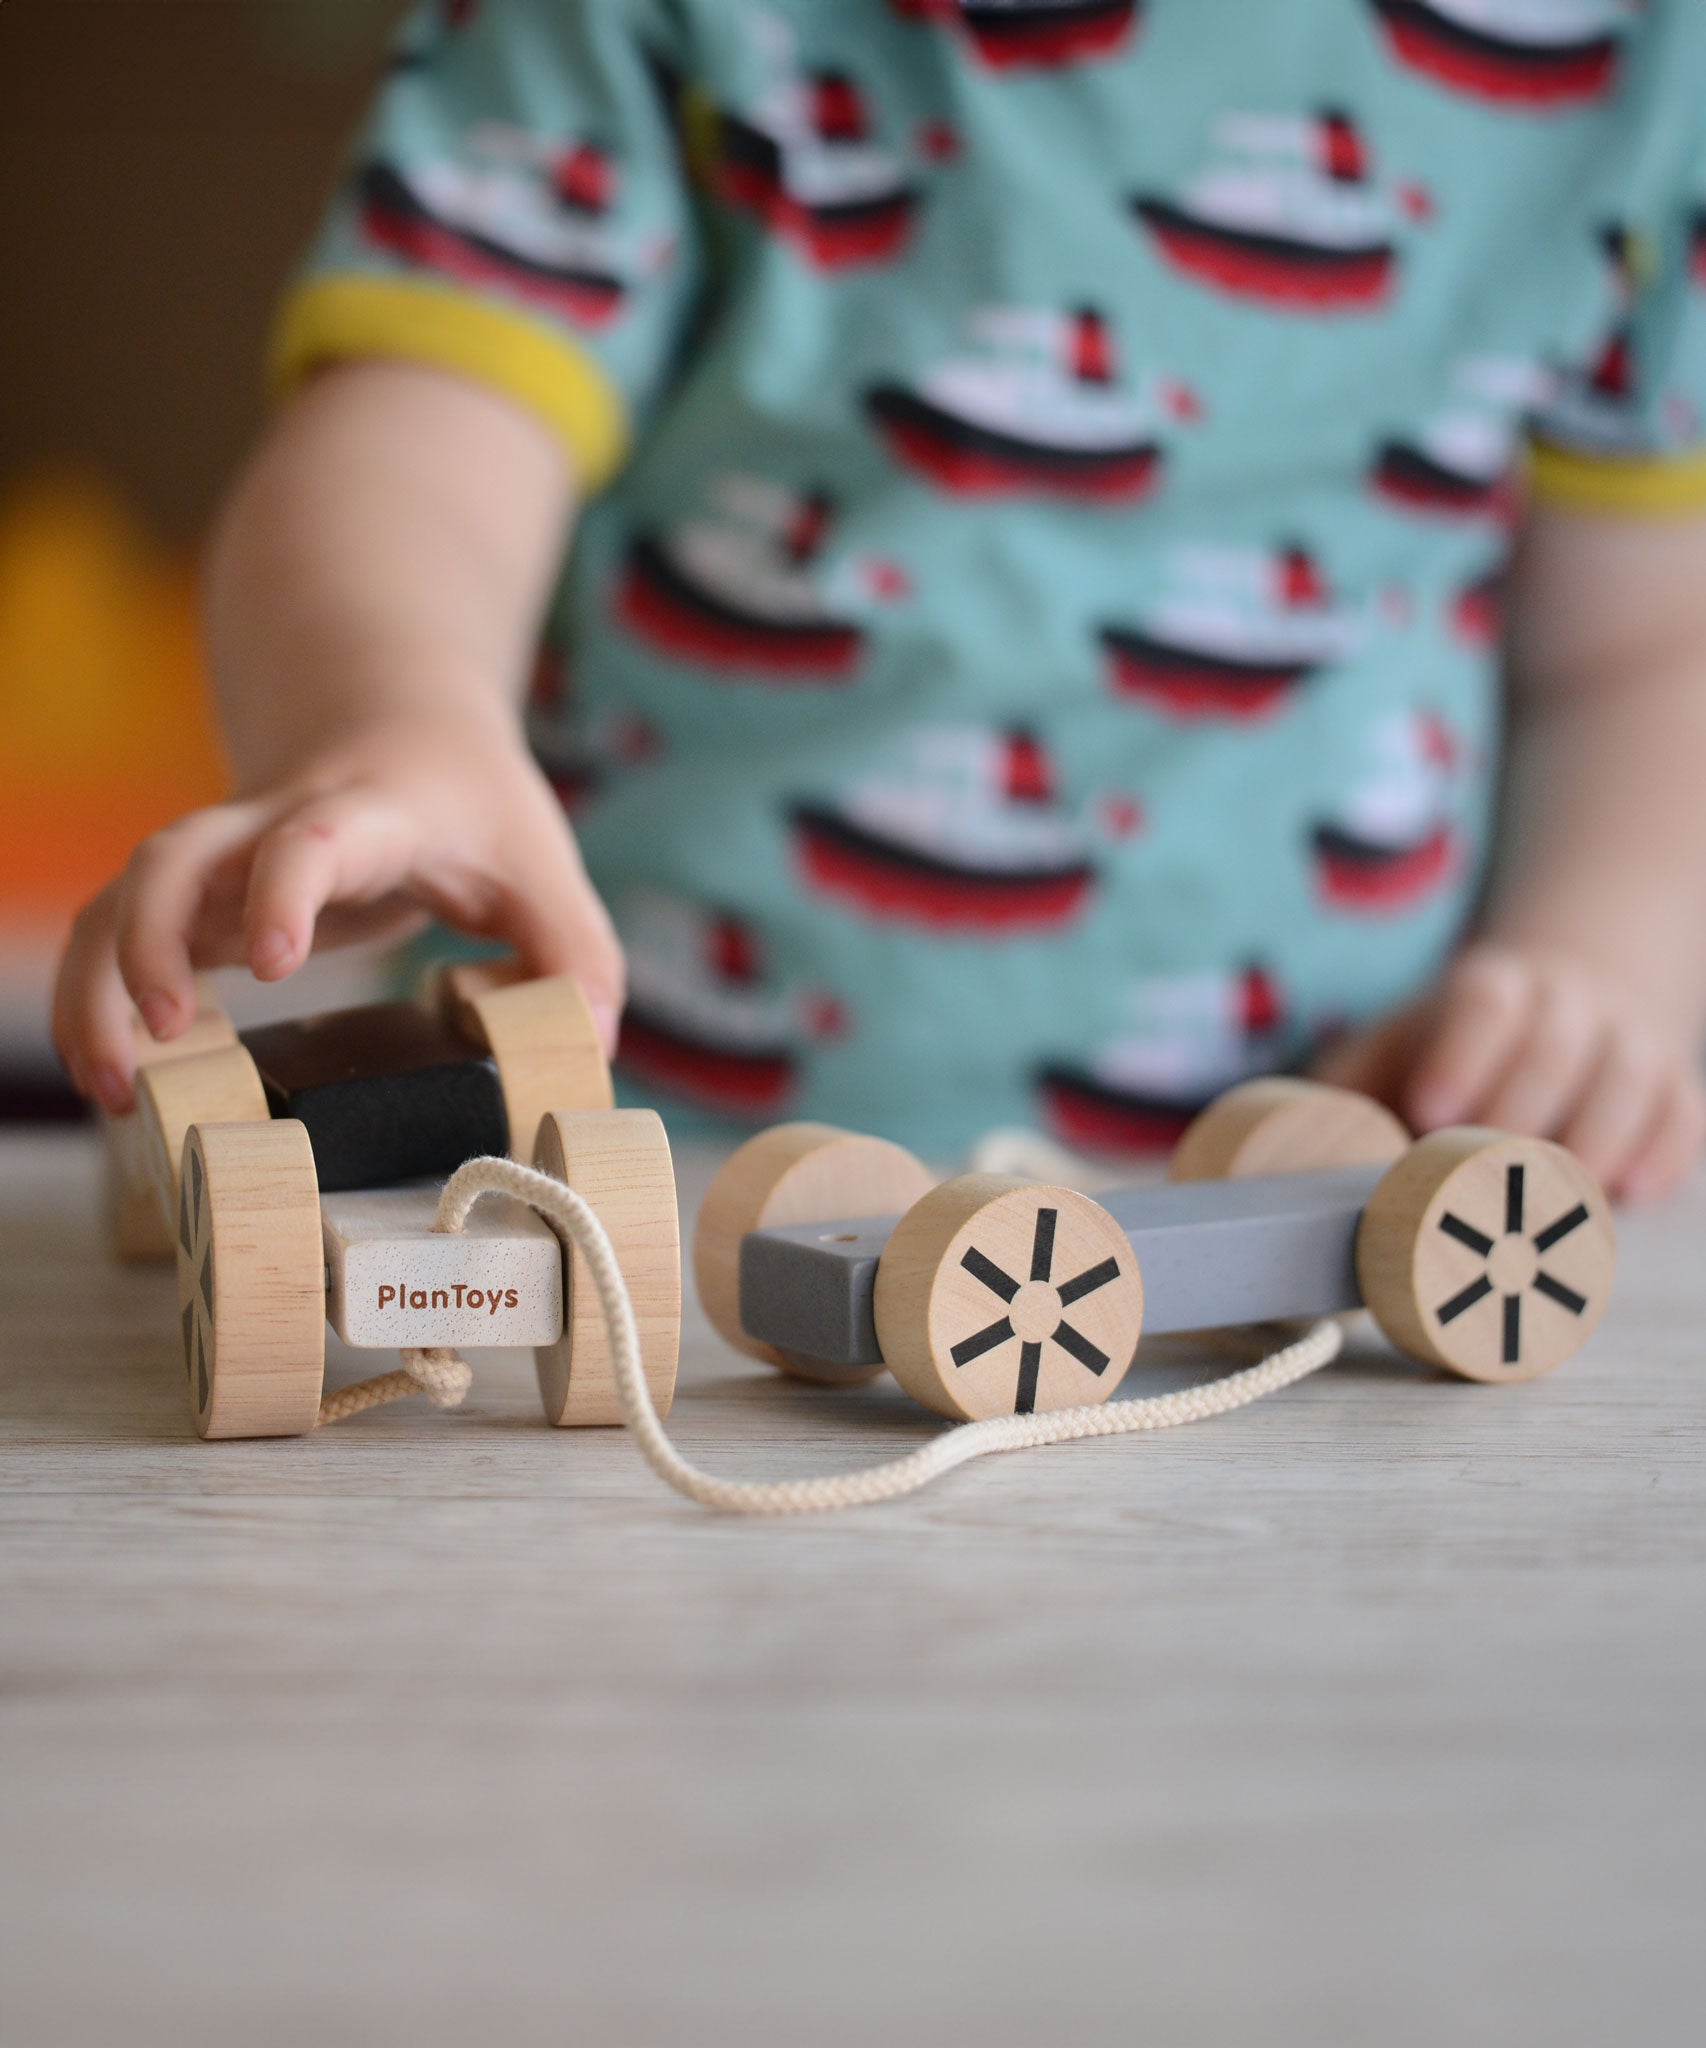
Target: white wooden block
x,y
393,1281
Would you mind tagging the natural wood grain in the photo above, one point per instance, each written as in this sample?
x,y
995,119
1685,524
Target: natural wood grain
x,y
251,1291
794,1173
542,1036
1490,1255
1372,1715
141,1220
220,1086
1003,1297
1282,1124
619,1161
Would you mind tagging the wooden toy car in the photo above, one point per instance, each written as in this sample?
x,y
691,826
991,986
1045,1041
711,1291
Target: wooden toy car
x,y
833,1255
301,1163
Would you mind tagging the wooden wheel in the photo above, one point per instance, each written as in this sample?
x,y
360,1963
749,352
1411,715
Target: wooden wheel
x,y
541,1035
143,1226
1487,1254
219,1087
1281,1124
1002,1297
619,1161
794,1173
251,1279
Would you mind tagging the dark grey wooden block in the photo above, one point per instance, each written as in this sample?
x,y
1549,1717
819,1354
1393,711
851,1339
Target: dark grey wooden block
x,y
1212,1253
387,1092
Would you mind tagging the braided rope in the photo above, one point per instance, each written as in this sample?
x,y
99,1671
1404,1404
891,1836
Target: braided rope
x,y
574,1219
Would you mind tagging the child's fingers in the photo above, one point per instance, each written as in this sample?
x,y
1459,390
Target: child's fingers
x,y
1617,1108
328,850
552,916
91,1010
1554,1063
1671,1145
158,897
1484,1010
1373,1062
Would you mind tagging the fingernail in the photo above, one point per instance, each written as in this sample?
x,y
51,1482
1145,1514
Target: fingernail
x,y
605,1015
159,1011
272,952
111,1090
1432,1111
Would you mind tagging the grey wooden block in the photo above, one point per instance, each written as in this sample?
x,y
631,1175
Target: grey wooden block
x,y
1212,1253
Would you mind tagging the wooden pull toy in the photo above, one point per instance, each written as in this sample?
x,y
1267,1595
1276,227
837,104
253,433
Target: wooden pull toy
x,y
301,1164
1488,1254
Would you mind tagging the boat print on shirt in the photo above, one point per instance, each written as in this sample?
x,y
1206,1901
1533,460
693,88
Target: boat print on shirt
x,y
1394,842
1288,213
805,159
1191,1037
747,590
512,213
1007,34
1241,630
1460,464
1533,54
1036,406
960,830
706,1018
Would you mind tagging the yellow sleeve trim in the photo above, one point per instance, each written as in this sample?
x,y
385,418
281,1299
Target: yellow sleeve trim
x,y
1653,486
338,316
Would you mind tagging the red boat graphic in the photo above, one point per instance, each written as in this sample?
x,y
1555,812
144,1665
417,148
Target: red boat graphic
x,y
805,162
1289,214
1478,611
965,834
703,1020
745,591
1039,412
489,228
1354,873
1239,637
1009,33
1193,1037
1394,843
1557,54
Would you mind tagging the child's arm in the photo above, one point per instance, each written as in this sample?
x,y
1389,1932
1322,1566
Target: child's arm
x,y
375,587
1577,1011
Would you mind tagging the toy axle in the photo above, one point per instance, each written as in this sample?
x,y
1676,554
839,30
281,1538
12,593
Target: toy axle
x,y
1211,1253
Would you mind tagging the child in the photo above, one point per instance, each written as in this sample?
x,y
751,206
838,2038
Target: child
x,y
1047,477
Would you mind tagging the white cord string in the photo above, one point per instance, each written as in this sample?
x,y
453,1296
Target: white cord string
x,y
445,1376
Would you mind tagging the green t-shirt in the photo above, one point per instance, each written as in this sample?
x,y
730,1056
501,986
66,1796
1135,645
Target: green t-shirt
x,y
1030,651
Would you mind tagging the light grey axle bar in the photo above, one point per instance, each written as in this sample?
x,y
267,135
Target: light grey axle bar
x,y
1212,1253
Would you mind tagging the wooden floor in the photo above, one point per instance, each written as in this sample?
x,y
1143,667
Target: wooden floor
x,y
1374,1715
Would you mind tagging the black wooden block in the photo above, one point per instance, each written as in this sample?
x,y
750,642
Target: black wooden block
x,y
387,1093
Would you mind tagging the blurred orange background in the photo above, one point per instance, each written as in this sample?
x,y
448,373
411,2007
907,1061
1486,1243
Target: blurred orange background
x,y
161,165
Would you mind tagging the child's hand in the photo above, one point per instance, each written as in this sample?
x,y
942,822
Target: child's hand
x,y
1549,1045
397,824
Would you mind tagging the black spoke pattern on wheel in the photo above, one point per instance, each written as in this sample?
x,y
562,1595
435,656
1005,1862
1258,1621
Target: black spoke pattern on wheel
x,y
1088,1281
990,1274
1042,1244
1466,1233
1565,1297
1030,1365
1477,1290
1002,1284
1572,1219
1471,1236
195,1234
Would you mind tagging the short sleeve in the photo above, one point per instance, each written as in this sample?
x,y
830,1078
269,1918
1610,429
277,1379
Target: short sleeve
x,y
1625,429
515,210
